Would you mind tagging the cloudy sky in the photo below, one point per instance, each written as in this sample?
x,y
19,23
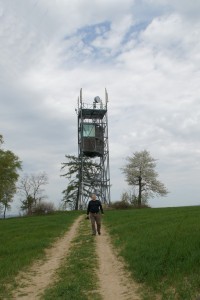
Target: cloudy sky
x,y
145,52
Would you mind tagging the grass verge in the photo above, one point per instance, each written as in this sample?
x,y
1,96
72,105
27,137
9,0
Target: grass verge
x,y
161,248
77,278
23,240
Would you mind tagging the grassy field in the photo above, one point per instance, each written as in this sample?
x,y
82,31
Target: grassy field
x,y
24,239
161,248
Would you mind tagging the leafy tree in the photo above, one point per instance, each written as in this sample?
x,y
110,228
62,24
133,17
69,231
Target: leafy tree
x,y
1,139
9,167
140,173
28,204
30,188
7,199
90,171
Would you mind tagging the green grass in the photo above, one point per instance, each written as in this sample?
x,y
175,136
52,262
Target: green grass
x,y
77,278
23,240
161,248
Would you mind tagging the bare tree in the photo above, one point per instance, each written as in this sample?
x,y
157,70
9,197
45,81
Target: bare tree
x,y
31,189
140,173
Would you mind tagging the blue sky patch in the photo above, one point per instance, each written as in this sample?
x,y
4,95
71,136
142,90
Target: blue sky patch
x,y
90,33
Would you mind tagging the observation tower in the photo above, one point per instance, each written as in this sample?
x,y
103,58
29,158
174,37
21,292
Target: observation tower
x,y
93,150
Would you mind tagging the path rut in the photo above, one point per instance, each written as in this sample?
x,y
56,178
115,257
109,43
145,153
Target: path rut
x,y
41,274
115,282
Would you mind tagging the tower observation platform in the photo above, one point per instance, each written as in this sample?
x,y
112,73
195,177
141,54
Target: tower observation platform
x,y
93,144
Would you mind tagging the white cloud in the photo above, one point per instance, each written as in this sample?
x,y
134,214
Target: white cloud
x,y
146,54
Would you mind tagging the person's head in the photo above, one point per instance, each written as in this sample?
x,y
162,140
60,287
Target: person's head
x,y
93,197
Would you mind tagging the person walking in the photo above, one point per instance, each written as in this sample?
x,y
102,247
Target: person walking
x,y
93,211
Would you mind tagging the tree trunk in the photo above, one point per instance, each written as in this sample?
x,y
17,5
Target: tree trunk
x,y
4,213
140,192
77,200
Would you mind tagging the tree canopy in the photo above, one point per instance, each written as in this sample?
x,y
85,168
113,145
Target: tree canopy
x,y
140,173
9,167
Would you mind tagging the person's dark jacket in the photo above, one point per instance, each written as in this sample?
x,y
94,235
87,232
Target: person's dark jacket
x,y
94,206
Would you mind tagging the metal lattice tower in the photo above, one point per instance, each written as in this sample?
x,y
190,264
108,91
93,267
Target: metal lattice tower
x,y
93,146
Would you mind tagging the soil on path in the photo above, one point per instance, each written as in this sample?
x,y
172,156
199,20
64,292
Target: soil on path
x,y
42,273
115,282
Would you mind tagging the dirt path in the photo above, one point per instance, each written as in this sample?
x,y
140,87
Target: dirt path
x,y
115,283
40,275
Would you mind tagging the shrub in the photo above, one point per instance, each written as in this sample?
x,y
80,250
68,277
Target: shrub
x,y
126,205
44,208
121,205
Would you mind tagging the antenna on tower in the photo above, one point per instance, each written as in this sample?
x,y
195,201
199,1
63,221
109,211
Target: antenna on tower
x,y
81,95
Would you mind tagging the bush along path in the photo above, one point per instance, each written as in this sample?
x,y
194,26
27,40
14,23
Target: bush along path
x,y
78,266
